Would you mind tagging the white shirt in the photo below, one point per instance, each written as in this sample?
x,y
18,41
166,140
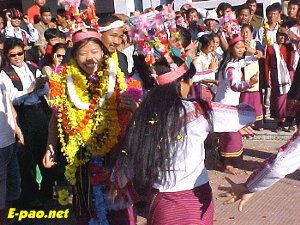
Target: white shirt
x,y
129,54
231,84
190,171
7,134
261,37
202,62
10,31
296,47
27,80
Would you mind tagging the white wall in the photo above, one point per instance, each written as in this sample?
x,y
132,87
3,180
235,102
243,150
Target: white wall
x,y
124,6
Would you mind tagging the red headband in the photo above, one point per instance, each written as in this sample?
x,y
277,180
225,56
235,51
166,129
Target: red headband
x,y
84,35
171,76
235,40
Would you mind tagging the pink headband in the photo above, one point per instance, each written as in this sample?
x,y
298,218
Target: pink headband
x,y
85,34
235,40
171,76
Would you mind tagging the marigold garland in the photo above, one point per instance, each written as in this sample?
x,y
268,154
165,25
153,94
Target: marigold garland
x,y
97,129
266,32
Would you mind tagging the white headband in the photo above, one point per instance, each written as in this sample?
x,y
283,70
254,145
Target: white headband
x,y
116,24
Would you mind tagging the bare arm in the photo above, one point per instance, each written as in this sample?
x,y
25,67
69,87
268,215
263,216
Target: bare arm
x,y
48,161
18,131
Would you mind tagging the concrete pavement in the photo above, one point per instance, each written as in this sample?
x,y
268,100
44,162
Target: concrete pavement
x,y
278,205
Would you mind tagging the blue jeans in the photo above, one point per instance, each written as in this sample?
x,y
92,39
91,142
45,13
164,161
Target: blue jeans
x,y
10,179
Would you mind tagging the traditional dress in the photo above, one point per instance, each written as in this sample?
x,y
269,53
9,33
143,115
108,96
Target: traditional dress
x,y
186,197
293,104
228,92
90,124
296,31
253,96
198,89
277,166
279,70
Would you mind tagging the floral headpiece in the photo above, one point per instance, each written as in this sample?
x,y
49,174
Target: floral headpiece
x,y
80,19
231,28
155,34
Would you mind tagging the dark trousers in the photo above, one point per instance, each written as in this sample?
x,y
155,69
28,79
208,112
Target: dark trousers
x,y
34,125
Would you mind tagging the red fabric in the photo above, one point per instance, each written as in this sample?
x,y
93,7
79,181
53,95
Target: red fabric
x,y
287,53
278,101
33,13
183,207
47,56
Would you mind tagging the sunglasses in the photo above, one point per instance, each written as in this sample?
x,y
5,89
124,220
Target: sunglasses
x,y
15,54
59,55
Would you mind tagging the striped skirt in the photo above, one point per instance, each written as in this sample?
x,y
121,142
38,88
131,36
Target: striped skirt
x,y
253,99
231,148
182,208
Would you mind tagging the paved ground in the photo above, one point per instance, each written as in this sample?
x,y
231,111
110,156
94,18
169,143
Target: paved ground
x,y
276,206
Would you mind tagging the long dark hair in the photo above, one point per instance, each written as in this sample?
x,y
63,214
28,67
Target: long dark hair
x,y
154,128
227,58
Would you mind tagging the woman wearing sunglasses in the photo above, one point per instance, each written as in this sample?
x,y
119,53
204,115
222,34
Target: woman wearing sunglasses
x,y
57,55
32,117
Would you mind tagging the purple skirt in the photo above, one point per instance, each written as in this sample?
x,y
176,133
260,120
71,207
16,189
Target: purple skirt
x,y
253,99
278,106
183,207
231,148
199,90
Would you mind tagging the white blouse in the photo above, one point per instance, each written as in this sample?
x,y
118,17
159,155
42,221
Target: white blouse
x,y
231,84
27,79
190,171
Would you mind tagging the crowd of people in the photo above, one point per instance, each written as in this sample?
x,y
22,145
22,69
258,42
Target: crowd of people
x,y
122,107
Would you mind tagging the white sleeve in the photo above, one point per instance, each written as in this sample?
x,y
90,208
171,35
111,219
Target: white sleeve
x,y
277,166
13,92
33,35
9,30
228,118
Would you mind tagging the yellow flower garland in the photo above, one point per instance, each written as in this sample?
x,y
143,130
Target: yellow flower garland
x,y
266,31
101,131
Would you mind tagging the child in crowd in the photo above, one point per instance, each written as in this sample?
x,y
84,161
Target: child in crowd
x,y
52,36
206,66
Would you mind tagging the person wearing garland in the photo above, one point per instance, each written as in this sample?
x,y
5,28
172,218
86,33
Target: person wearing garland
x,y
89,117
112,32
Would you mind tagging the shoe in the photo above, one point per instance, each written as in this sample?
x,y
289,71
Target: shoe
x,y
278,129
